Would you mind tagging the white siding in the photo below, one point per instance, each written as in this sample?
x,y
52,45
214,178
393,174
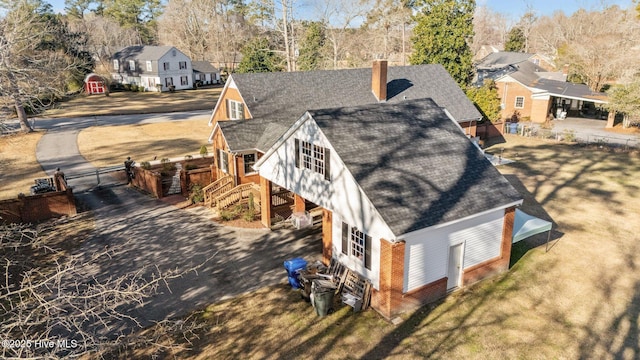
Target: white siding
x,y
174,71
426,251
341,195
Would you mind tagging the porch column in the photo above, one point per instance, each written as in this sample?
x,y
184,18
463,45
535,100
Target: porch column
x,y
327,236
298,203
507,237
388,299
265,202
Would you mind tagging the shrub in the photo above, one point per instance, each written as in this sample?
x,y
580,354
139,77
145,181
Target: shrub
x,y
203,150
227,215
249,215
145,165
188,157
569,135
167,165
196,195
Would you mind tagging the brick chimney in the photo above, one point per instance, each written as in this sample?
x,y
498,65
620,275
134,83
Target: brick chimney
x,y
379,79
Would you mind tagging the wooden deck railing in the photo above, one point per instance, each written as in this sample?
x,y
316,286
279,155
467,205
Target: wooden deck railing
x,y
217,188
239,194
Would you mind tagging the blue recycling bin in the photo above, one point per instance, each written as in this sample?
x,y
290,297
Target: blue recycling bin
x,y
513,128
293,266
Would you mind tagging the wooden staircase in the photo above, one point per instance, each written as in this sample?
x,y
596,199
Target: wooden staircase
x,y
237,195
217,188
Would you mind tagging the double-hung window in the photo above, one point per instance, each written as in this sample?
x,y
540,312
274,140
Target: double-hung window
x,y
184,80
168,81
132,65
223,161
149,66
166,66
235,110
519,102
116,65
249,161
312,157
356,244
182,65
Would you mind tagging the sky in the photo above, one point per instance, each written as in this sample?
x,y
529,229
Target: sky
x,y
513,9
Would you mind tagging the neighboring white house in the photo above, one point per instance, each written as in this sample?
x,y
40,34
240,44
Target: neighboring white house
x,y
156,68
205,73
414,206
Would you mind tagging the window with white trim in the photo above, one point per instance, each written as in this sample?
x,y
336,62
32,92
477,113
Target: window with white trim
x,y
166,66
132,65
318,159
116,65
307,155
249,161
149,66
313,157
182,65
519,102
223,161
168,81
235,110
356,244
184,80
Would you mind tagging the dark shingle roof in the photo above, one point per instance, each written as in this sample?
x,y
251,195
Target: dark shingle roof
x,y
203,67
138,52
253,134
502,59
414,163
289,95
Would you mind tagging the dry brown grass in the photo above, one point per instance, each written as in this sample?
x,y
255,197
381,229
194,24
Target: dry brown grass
x,y
579,300
126,102
110,145
18,164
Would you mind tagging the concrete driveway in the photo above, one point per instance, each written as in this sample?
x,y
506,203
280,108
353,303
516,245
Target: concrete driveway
x,y
593,130
149,233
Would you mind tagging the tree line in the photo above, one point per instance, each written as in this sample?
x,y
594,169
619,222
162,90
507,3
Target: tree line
x,y
596,47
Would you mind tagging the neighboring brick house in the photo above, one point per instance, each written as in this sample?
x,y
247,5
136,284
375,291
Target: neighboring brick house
x,y
529,90
384,152
408,201
156,68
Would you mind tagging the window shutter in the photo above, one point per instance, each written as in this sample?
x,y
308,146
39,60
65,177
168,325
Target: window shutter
x,y
228,105
327,162
225,162
219,159
297,149
345,238
367,252
241,105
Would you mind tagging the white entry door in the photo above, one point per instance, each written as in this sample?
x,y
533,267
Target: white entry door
x,y
455,266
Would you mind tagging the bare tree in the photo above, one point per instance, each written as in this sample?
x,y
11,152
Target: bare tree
x,y
339,17
490,28
54,305
36,59
387,22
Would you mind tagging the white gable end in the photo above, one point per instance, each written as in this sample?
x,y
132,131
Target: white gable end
x,y
341,194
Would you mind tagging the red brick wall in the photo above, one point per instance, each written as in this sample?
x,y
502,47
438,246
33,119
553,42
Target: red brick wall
x,y
490,130
388,299
424,295
35,208
513,90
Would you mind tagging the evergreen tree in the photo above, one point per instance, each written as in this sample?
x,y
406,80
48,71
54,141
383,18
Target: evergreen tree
x,y
516,40
441,35
257,56
310,57
486,99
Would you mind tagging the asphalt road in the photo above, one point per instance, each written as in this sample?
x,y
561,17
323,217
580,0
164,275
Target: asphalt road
x,y
150,234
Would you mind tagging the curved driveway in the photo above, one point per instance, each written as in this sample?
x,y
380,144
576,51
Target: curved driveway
x,y
149,233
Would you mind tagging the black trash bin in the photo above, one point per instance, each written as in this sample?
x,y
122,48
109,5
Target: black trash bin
x,y
293,266
322,296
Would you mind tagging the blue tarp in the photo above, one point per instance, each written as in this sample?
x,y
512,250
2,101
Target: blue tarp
x,y
526,225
